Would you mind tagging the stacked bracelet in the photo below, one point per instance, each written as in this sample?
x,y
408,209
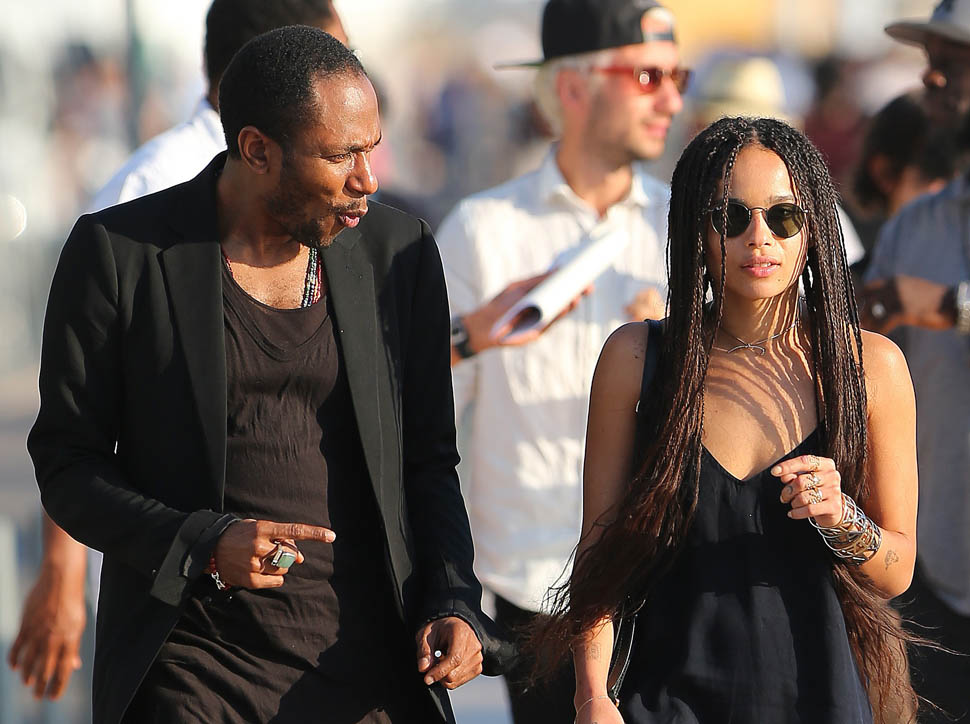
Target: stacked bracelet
x,y
855,538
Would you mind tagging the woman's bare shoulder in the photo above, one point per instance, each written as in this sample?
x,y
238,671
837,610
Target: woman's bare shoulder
x,y
619,371
887,373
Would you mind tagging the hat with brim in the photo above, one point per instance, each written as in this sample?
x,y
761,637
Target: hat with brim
x,y
750,86
950,21
573,27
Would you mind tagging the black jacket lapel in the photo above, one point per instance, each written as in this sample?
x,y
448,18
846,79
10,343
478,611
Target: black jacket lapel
x,y
350,277
193,273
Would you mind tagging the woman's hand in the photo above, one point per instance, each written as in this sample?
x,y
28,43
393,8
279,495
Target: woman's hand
x,y
599,711
813,487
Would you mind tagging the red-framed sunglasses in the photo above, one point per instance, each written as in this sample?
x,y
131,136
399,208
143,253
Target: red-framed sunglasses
x,y
649,79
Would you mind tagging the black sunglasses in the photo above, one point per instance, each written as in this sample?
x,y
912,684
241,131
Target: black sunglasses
x,y
784,219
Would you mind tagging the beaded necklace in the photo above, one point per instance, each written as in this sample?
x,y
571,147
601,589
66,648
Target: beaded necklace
x,y
312,283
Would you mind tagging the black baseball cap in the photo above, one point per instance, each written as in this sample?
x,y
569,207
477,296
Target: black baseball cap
x,y
571,27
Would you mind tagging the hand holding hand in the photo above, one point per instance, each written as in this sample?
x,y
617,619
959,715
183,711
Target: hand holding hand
x,y
244,549
47,647
461,652
813,488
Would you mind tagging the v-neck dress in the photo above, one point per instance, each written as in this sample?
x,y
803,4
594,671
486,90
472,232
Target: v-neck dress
x,y
745,628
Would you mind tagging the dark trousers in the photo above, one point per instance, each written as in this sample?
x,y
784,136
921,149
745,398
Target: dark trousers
x,y
549,701
941,677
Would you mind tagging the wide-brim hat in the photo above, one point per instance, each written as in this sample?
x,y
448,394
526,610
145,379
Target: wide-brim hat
x,y
950,20
572,27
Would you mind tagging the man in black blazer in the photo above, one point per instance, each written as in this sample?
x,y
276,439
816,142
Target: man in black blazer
x,y
196,339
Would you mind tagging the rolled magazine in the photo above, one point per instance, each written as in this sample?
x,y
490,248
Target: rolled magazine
x,y
550,297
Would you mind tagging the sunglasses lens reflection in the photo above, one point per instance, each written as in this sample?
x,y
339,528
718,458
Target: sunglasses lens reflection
x,y
784,220
651,78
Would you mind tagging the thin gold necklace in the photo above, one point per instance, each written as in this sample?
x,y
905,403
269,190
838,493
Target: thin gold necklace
x,y
759,344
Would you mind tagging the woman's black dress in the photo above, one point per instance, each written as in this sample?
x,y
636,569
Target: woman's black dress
x,y
746,627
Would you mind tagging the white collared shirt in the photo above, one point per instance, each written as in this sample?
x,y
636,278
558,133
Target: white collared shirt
x,y
170,158
522,410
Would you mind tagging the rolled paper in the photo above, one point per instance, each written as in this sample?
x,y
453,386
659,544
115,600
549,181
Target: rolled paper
x,y
550,297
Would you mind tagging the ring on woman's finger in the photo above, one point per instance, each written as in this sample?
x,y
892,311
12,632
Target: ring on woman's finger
x,y
813,481
815,496
814,462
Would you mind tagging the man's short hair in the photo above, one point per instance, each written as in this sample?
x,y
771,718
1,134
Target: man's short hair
x,y
230,24
269,83
546,93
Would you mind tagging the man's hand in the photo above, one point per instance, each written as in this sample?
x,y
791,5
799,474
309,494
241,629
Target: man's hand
x,y
480,322
47,647
460,658
244,549
647,304
887,304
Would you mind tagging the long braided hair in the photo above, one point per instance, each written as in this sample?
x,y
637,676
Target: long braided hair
x,y
639,538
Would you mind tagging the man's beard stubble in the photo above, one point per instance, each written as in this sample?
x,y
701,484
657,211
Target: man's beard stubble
x,y
288,203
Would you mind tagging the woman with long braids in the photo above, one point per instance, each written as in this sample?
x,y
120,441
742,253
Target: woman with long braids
x,y
771,510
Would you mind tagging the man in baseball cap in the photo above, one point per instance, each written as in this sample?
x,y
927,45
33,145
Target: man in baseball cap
x,y
609,84
946,39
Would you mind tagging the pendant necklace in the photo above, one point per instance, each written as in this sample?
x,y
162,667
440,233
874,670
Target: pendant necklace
x,y
758,345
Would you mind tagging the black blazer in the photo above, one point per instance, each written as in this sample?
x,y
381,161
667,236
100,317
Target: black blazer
x,y
129,445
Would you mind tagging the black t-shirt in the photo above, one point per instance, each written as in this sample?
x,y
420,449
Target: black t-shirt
x,y
328,645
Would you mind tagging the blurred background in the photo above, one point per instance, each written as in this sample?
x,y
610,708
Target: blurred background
x,y
83,84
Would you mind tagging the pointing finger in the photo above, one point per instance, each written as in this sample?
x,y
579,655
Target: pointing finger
x,y
300,531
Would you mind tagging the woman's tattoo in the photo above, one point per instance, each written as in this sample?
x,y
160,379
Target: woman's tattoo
x,y
595,651
891,557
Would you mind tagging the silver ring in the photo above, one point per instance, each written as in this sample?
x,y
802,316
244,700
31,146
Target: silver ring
x,y
815,496
282,557
813,481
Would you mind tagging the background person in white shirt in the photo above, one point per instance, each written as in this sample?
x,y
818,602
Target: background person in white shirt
x,y
46,650
610,84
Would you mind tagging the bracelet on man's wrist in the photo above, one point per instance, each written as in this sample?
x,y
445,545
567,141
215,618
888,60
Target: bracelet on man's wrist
x,y
962,305
459,338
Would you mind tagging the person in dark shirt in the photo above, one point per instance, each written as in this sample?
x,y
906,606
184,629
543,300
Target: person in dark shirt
x,y
246,405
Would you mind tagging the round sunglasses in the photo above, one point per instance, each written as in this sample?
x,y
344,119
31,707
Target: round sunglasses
x,y
784,220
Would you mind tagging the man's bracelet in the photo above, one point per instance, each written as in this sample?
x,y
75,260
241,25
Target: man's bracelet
x,y
962,325
459,338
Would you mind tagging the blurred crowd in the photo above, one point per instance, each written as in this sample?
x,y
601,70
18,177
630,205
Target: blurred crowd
x,y
454,124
